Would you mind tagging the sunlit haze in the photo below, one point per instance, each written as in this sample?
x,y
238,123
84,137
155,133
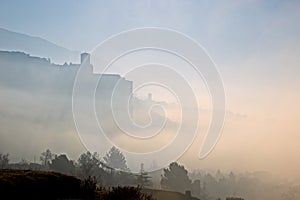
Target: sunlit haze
x,y
253,44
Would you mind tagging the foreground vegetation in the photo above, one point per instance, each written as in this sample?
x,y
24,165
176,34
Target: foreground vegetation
x,y
27,184
110,174
38,184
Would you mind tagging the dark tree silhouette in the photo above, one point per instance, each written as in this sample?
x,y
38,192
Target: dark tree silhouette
x,y
175,178
62,164
46,158
4,160
115,159
88,164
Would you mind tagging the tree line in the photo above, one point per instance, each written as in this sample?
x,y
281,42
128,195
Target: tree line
x,y
112,171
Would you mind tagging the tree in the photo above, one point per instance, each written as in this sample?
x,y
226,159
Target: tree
x,y
46,158
4,160
143,179
88,164
175,178
115,159
62,164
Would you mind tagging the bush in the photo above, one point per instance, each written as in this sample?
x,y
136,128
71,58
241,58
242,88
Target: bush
x,y
126,193
88,186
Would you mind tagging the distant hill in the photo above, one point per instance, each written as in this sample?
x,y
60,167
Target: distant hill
x,y
33,74
13,41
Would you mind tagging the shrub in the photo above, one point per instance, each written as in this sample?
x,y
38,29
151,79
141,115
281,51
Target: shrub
x,y
126,193
88,186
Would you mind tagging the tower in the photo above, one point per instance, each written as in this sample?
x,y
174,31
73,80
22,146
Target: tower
x,y
85,58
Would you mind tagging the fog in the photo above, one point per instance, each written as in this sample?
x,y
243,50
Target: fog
x,y
161,108
36,113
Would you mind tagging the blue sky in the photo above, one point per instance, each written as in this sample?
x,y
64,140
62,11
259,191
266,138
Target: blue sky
x,y
233,32
217,24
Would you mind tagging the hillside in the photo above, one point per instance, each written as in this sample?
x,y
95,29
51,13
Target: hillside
x,y
37,184
36,46
28,184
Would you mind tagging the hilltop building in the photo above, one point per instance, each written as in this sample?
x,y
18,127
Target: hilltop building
x,y
109,85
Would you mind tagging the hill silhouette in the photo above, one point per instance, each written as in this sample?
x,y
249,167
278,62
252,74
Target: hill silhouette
x,y
36,46
28,184
38,184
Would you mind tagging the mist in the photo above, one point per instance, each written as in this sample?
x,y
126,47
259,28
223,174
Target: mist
x,y
153,105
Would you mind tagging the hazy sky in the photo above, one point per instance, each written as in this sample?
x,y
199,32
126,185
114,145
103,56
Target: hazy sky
x,y
255,43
